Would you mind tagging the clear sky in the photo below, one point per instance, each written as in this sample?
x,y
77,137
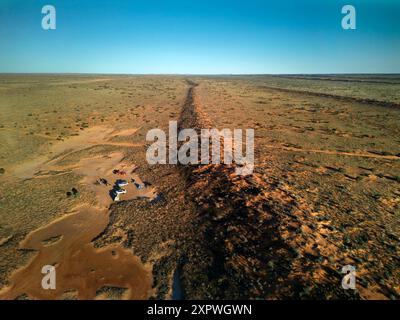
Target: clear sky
x,y
200,37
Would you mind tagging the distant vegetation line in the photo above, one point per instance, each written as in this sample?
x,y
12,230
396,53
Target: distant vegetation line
x,y
335,96
349,79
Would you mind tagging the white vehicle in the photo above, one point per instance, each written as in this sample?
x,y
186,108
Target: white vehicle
x,y
117,193
122,183
120,191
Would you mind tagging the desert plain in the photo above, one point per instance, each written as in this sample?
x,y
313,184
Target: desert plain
x,y
325,192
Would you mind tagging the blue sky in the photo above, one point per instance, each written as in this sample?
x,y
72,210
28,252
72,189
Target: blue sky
x,y
200,37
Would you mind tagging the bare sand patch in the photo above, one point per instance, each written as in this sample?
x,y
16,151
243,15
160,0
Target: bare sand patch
x,y
66,243
126,132
94,136
87,138
79,266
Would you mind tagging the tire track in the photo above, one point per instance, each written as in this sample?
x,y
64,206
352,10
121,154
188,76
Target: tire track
x,y
336,153
334,96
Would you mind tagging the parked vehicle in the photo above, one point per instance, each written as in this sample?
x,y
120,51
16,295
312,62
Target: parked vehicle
x,y
120,191
121,183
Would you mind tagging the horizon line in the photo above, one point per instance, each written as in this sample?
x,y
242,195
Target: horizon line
x,y
197,74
